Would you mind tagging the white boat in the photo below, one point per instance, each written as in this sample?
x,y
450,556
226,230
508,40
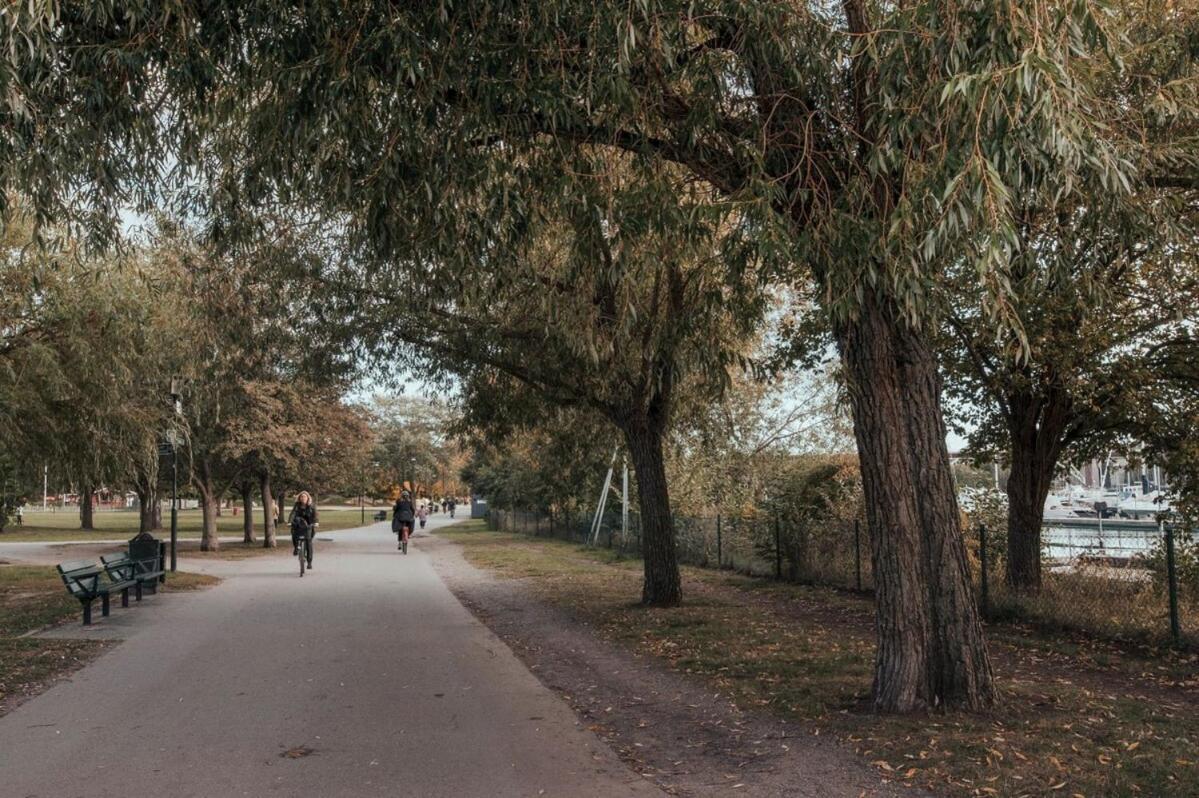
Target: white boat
x,y
1135,503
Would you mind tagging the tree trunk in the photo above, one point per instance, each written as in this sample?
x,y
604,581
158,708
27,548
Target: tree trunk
x,y
157,522
247,509
663,586
1037,429
146,500
268,511
87,496
931,649
209,539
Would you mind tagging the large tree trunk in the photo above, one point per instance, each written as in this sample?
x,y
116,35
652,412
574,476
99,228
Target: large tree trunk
x,y
247,509
1037,431
663,586
268,511
209,539
87,496
931,649
146,500
157,522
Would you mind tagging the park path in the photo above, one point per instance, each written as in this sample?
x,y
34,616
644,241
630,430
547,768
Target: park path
x,y
366,677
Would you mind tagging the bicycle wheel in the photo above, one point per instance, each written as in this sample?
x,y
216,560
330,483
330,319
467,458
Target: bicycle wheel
x,y
303,558
405,545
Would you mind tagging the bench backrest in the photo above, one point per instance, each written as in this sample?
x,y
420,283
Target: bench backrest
x,y
82,577
119,566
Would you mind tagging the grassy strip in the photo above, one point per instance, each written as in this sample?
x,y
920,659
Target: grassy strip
x,y
64,526
31,597
1077,718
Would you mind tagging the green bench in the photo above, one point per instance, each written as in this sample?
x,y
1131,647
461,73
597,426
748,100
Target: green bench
x,y
381,515
121,567
87,582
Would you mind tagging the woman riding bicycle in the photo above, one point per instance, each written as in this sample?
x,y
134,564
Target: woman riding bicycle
x,y
403,516
303,520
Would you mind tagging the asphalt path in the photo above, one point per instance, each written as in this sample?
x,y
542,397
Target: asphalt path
x,y
364,678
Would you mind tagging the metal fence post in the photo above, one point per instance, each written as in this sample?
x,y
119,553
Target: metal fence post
x,y
1172,584
857,552
778,550
985,598
719,545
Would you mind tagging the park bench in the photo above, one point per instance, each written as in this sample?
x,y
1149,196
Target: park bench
x,y
381,515
122,568
87,582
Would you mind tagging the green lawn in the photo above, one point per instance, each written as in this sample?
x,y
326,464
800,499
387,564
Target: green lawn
x,y
33,596
64,525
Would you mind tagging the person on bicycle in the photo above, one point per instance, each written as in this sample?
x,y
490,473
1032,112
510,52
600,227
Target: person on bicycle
x,y
403,516
303,520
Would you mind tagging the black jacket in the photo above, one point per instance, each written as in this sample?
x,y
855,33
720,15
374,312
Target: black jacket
x,y
302,517
404,510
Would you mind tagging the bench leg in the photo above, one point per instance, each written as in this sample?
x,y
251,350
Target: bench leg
x,y
125,597
87,613
137,591
104,605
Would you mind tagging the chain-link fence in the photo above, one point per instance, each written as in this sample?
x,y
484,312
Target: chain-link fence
x,y
1119,580
831,553
1123,580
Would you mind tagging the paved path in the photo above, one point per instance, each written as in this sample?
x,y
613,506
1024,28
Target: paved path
x,y
369,662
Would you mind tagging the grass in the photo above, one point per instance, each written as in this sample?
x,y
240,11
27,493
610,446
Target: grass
x,y
64,525
32,597
1100,601
1077,717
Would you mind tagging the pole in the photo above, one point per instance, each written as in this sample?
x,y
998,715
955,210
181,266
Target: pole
x,y
857,552
982,560
45,485
1172,583
719,544
593,534
174,499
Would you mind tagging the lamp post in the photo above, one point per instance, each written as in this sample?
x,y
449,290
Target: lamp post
x,y
177,402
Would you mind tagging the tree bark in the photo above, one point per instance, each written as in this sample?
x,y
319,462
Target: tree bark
x,y
247,509
147,499
1037,426
663,586
157,510
268,511
931,649
87,496
209,539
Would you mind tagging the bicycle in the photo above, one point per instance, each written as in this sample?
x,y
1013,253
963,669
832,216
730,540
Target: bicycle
x,y
304,546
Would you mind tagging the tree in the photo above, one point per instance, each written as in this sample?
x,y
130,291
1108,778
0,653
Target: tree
x,y
1105,281
872,143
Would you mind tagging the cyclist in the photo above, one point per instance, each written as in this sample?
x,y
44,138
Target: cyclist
x,y
403,516
303,522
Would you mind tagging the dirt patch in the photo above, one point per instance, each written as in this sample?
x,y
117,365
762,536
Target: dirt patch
x,y
688,739
30,667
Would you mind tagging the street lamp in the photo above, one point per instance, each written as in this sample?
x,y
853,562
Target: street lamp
x,y
177,403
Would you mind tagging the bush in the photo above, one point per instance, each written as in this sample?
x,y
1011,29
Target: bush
x,y
1186,564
